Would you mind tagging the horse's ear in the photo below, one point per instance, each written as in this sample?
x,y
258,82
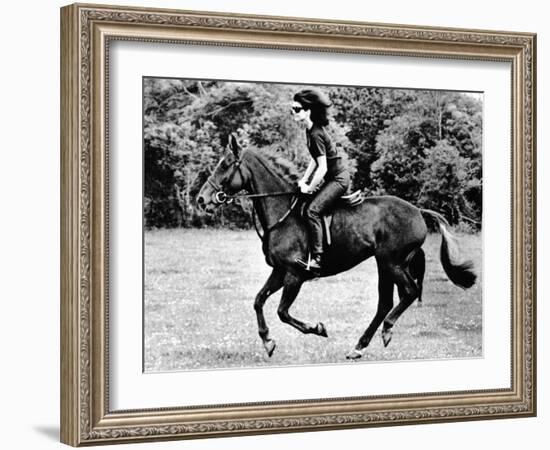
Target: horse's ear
x,y
234,145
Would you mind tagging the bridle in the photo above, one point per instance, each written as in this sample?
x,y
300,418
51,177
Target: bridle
x,y
221,197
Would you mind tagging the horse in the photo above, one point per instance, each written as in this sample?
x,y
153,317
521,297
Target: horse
x,y
386,227
417,269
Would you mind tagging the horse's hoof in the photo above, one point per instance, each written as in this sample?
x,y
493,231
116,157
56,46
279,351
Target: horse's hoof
x,y
354,354
321,330
386,336
269,346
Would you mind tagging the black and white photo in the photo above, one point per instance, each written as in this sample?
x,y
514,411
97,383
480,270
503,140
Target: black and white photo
x,y
290,224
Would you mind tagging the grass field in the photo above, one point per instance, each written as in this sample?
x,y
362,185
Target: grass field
x,y
198,307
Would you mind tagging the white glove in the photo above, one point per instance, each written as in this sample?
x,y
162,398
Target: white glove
x,y
304,188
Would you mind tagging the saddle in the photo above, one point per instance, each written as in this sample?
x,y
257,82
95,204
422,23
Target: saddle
x,y
349,200
353,199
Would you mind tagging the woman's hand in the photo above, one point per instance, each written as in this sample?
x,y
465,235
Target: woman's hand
x,y
304,187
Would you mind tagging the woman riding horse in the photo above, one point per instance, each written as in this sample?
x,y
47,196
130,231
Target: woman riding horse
x,y
310,110
386,227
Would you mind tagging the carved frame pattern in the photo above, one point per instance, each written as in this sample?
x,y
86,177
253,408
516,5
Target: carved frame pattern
x,y
86,418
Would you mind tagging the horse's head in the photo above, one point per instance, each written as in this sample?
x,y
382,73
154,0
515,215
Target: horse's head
x,y
226,179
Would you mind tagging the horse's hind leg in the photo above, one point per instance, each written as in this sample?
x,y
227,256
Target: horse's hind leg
x,y
292,285
385,304
417,269
408,292
272,285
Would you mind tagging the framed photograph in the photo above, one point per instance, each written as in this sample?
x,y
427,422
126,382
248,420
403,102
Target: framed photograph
x,y
276,224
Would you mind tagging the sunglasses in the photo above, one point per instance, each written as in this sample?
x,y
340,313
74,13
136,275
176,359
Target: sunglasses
x,y
296,109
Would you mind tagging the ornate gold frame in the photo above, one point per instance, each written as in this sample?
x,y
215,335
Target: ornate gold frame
x,y
86,31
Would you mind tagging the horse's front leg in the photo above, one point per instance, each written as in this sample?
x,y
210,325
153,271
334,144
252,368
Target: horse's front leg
x,y
272,285
292,285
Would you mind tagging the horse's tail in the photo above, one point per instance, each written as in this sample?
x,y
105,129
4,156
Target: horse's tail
x,y
459,271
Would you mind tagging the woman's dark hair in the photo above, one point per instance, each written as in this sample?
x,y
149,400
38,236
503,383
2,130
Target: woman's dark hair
x,y
315,101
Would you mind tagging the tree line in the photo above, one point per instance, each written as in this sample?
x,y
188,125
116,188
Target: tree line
x,y
424,146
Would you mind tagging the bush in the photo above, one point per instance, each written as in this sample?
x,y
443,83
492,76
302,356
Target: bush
x,y
442,181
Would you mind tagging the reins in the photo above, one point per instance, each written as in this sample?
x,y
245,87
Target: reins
x,y
278,222
264,195
222,197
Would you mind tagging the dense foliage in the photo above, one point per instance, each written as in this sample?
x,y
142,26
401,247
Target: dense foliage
x,y
423,146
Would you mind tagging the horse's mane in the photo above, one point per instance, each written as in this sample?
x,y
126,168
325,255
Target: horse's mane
x,y
280,165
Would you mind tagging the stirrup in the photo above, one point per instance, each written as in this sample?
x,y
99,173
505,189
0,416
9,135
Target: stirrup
x,y
307,265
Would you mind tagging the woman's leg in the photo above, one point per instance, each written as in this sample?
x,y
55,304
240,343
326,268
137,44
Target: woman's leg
x,y
323,202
